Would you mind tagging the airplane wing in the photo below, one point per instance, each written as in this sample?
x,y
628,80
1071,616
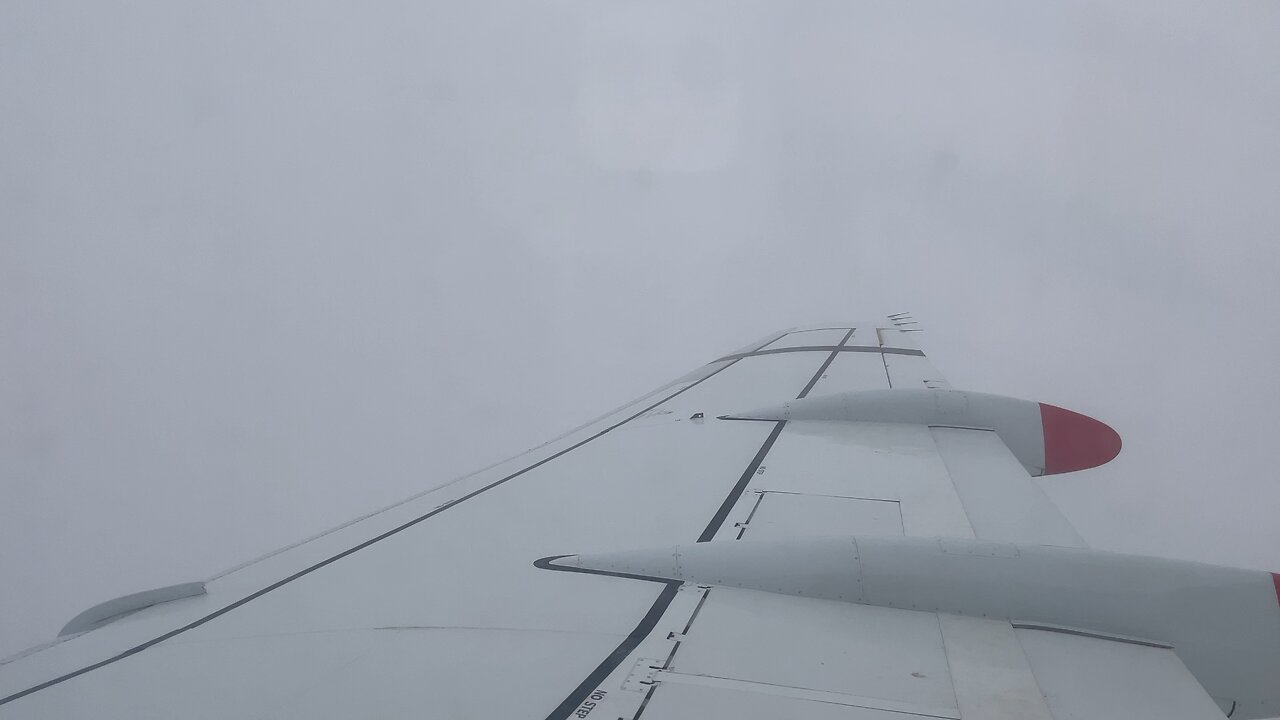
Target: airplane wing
x,y
816,526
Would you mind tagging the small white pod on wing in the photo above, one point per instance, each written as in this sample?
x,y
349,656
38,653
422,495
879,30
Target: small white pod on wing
x,y
1224,623
1045,438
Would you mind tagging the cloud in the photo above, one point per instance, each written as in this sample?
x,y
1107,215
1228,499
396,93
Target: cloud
x,y
264,268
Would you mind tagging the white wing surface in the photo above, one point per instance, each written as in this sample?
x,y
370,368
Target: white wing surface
x,y
816,526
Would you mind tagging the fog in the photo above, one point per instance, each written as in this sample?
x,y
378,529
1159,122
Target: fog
x,y
267,266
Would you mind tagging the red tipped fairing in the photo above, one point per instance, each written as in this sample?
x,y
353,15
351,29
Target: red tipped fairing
x,y
1075,442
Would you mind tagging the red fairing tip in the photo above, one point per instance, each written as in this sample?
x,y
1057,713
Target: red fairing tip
x,y
1075,442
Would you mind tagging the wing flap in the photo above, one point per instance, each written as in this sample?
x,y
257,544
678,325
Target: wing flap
x,y
681,701
992,677
765,655
807,648
1001,501
747,653
1086,677
878,462
778,514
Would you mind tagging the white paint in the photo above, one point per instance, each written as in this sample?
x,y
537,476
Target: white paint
x,y
992,678
855,370
1017,422
784,514
683,701
913,371
1001,501
1090,679
822,336
860,702
818,645
888,461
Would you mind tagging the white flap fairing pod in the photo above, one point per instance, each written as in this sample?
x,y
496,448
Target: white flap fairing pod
x,y
1046,439
1223,622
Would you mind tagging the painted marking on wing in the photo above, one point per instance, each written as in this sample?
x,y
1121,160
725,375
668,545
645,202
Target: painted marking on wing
x,y
646,625
650,620
590,703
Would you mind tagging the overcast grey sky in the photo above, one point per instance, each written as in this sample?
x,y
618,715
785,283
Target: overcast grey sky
x,y
267,266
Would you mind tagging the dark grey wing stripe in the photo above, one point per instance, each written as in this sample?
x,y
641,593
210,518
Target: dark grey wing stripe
x,y
825,348
650,619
